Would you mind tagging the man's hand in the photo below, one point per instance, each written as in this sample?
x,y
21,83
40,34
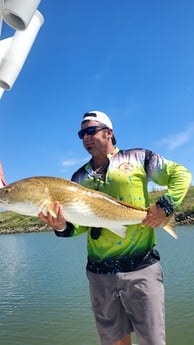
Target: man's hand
x,y
155,216
57,223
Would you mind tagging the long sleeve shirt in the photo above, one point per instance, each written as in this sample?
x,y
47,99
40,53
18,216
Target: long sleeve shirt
x,y
127,177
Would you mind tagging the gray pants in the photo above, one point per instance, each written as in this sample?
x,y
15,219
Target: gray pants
x,y
129,302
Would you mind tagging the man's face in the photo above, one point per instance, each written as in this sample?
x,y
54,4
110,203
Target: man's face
x,y
97,142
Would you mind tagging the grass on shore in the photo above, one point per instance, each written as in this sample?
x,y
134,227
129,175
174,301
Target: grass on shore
x,y
11,220
187,204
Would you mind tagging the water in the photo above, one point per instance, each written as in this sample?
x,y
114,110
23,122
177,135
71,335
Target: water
x,y
44,298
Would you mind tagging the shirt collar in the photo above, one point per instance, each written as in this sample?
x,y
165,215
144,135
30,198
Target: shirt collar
x,y
110,155
116,149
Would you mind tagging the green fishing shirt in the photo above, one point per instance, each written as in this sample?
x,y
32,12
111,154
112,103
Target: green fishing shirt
x,y
127,178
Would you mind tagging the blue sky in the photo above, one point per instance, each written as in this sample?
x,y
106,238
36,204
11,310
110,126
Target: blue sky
x,y
133,59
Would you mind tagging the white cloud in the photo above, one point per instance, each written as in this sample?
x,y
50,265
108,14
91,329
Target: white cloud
x,y
175,140
74,161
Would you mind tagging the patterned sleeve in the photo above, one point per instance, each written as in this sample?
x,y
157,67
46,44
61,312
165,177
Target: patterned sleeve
x,y
167,173
71,230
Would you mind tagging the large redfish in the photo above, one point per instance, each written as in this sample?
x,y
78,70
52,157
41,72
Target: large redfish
x,y
81,205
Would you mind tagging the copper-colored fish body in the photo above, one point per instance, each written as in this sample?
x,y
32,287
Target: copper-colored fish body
x,y
81,205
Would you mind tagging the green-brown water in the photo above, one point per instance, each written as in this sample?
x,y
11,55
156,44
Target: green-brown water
x,y
44,296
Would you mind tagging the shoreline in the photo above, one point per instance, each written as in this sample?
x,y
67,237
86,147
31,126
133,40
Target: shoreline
x,y
181,218
28,229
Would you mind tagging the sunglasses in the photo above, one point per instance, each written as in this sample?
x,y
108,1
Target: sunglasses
x,y
90,131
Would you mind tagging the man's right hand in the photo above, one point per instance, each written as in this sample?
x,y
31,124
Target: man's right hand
x,y
57,223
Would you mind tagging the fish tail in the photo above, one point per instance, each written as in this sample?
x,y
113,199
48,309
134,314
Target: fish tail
x,y
169,226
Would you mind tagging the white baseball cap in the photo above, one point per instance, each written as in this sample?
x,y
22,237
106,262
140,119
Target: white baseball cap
x,y
101,117
98,116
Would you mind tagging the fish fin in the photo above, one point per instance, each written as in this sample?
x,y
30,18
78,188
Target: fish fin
x,y
46,208
121,232
169,225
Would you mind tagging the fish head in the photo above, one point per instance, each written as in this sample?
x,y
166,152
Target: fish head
x,y
24,196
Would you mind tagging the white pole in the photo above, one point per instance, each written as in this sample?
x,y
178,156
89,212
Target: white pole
x,y
16,51
18,13
1,92
1,14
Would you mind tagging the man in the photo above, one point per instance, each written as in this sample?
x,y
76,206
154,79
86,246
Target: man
x,y
125,277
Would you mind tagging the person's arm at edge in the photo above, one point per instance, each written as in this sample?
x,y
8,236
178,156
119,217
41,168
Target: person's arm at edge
x,y
176,177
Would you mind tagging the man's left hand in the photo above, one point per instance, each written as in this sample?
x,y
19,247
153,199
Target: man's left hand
x,y
155,216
